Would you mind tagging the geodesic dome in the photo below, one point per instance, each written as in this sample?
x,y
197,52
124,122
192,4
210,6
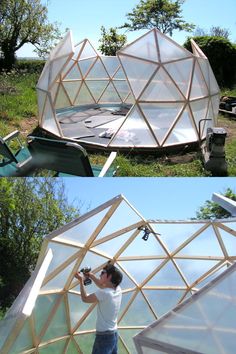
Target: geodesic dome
x,y
178,259
205,323
154,95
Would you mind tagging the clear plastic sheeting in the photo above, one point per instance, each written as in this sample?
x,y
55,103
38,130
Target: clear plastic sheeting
x,y
178,259
203,324
153,70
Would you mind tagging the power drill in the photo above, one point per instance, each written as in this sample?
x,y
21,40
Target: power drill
x,y
85,270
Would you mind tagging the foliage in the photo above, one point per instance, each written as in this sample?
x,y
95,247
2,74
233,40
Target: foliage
x,y
212,210
30,208
222,57
21,22
111,41
215,31
29,66
164,15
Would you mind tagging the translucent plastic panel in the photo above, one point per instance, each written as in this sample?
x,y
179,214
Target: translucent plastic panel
x,y
58,324
98,71
161,88
89,321
161,116
23,340
199,109
194,269
134,132
57,347
212,276
44,79
77,50
93,260
143,48
60,280
163,301
85,342
72,88
138,314
72,73
127,338
140,270
62,100
122,88
48,119
6,326
215,100
77,308
130,99
126,297
120,74
72,348
88,51
229,242
111,64
167,276
64,47
214,88
114,245
169,50
180,72
110,95
83,231
206,238
55,68
43,306
138,72
183,131
198,87
41,95
85,65
84,96
97,87
53,91
173,235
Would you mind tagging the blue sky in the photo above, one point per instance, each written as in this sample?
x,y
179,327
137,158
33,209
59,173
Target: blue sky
x,y
155,198
85,18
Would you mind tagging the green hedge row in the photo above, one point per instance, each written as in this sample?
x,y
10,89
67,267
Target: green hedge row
x,y
221,54
29,66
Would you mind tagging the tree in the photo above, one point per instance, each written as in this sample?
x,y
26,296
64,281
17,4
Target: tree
x,y
30,208
21,22
111,41
215,31
212,210
164,15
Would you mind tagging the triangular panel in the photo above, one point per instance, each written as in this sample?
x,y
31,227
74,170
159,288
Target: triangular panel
x,y
169,50
73,73
84,96
98,71
110,95
166,276
88,51
111,64
71,88
97,87
85,65
198,87
62,100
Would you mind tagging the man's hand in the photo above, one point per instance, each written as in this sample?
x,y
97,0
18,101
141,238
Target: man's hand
x,y
79,277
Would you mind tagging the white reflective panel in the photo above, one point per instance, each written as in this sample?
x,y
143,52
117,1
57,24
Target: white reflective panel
x,y
98,71
143,48
161,116
44,78
55,68
181,72
161,88
48,119
169,50
138,72
111,64
66,47
134,131
183,131
88,51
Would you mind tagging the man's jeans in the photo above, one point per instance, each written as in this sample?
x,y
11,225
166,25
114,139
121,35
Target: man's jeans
x,y
106,343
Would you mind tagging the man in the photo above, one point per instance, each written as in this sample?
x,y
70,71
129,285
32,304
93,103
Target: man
x,y
108,297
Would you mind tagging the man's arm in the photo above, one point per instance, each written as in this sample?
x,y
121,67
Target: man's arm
x,y
85,298
95,280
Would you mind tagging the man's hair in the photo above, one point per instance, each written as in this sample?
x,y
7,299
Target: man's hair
x,y
116,275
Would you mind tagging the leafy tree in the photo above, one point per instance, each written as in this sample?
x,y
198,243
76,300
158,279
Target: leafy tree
x,y
21,22
164,15
111,41
30,208
212,210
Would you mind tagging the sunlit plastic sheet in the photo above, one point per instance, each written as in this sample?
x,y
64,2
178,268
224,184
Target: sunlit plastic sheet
x,y
174,93
205,323
178,259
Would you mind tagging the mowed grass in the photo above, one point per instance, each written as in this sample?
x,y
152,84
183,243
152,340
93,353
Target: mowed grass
x,y
18,110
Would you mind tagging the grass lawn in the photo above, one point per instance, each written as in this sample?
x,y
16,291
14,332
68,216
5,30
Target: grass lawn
x,y
18,110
